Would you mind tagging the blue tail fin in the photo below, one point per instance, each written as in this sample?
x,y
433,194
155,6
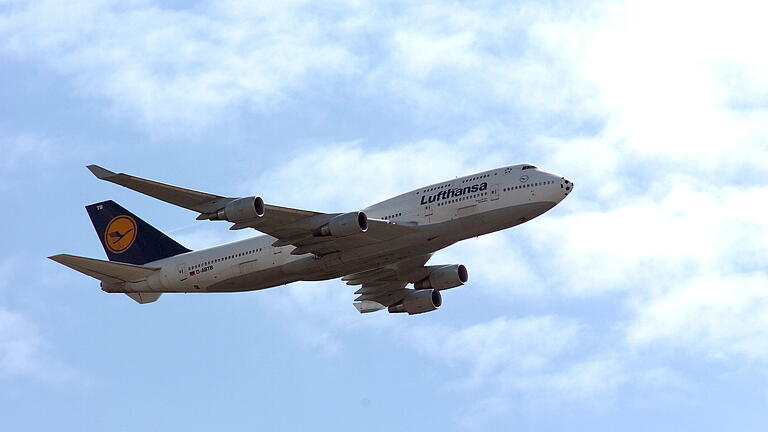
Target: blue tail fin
x,y
128,239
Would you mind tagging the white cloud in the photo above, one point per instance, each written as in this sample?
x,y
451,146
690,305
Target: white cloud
x,y
499,264
542,358
724,317
644,246
326,314
667,204
176,69
688,258
663,88
669,194
199,236
666,201
659,88
460,58
503,346
23,351
24,151
346,176
479,413
595,380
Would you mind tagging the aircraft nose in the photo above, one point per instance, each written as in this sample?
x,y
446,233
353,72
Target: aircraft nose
x,y
566,185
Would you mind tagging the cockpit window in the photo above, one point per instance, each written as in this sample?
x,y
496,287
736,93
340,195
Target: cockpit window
x,y
525,167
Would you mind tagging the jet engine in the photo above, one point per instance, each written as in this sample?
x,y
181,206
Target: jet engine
x,y
418,302
445,277
241,209
344,225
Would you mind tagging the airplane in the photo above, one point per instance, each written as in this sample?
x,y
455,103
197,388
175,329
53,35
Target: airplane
x,y
382,248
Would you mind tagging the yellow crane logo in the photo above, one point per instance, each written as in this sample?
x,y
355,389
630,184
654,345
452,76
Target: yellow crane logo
x,y
120,234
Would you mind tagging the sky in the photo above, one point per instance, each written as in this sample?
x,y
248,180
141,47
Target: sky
x,y
638,303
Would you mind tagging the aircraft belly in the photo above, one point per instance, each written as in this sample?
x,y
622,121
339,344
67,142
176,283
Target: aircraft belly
x,y
484,222
503,218
262,279
508,217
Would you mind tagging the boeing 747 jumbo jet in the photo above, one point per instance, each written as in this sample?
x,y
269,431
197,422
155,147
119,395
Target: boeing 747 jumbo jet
x,y
382,248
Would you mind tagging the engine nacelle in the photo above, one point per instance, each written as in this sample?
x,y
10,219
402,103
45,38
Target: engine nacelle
x,y
242,209
446,277
345,225
418,302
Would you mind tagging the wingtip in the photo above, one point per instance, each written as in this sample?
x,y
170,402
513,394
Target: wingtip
x,y
100,172
56,257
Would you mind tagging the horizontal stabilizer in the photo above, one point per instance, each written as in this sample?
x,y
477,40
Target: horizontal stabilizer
x,y
106,271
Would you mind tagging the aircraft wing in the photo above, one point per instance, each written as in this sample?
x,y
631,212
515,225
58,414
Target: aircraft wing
x,y
385,286
289,225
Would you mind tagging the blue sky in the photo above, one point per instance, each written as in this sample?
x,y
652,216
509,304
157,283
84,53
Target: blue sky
x,y
639,303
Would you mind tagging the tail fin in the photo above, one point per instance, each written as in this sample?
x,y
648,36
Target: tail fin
x,y
128,239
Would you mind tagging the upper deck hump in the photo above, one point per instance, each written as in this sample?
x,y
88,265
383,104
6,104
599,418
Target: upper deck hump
x,y
457,182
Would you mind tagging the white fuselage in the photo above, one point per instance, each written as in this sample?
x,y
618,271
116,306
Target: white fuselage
x,y
442,213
